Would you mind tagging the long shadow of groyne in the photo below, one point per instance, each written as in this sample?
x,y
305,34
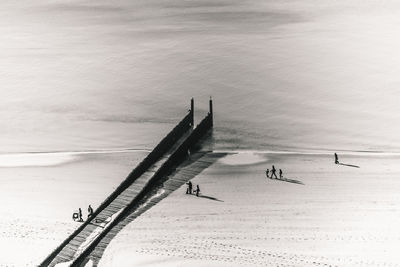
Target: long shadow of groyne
x,y
161,184
67,249
136,188
164,187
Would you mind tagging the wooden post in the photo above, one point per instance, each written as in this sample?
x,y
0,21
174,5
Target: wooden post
x,y
211,110
192,110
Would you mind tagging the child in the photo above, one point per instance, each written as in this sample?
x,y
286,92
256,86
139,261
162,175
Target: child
x,y
197,190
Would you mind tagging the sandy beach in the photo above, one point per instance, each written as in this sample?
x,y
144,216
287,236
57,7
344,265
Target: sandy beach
x,y
38,201
339,216
334,215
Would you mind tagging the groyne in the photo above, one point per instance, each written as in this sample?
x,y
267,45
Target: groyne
x,y
67,249
164,158
160,176
185,172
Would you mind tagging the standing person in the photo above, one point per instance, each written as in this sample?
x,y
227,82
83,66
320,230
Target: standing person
x,y
273,172
197,190
189,189
336,159
267,173
80,215
280,174
90,211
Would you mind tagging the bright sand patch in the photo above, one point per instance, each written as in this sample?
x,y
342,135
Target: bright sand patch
x,y
243,158
341,216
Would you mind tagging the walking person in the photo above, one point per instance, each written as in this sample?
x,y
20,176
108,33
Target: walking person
x,y
80,215
90,211
267,173
273,172
197,190
190,187
336,159
280,174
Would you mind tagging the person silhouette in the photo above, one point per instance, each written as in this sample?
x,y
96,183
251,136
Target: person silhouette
x,y
336,159
90,211
197,190
280,174
80,215
273,172
189,189
267,173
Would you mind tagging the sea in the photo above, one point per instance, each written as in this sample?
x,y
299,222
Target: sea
x,y
293,75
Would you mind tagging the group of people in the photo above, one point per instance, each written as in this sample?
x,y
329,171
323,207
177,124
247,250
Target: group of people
x,y
190,190
77,216
273,170
273,173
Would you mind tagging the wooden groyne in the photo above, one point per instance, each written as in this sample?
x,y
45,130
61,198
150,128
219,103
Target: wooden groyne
x,y
97,246
166,156
199,162
67,249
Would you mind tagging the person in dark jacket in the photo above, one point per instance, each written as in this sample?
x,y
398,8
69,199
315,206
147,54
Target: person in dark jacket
x,y
273,172
80,215
336,159
90,211
267,173
197,190
280,174
190,187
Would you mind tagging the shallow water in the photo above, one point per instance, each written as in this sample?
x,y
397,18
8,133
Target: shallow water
x,y
284,75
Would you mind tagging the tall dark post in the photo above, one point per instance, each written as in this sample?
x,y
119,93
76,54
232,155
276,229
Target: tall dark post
x,y
211,110
192,110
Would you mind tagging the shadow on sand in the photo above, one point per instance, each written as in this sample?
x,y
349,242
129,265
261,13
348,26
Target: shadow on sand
x,y
211,198
162,188
349,165
293,181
